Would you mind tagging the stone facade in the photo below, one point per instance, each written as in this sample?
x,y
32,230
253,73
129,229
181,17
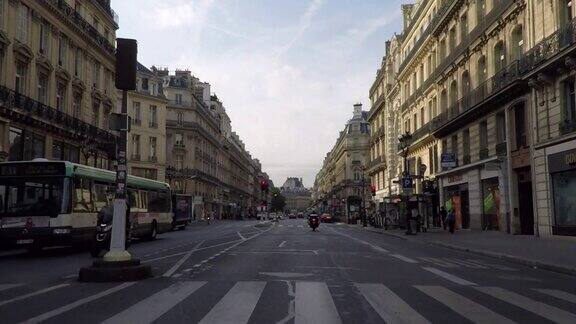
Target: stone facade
x,y
57,81
296,195
489,83
342,186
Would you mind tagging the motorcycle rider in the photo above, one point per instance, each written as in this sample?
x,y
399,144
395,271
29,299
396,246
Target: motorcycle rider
x,y
313,221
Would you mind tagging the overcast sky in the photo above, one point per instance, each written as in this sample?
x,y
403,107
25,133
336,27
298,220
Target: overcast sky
x,y
288,71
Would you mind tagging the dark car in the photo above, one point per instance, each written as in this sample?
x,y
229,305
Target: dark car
x,y
292,216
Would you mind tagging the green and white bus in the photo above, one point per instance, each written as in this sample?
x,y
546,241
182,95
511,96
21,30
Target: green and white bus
x,y
47,203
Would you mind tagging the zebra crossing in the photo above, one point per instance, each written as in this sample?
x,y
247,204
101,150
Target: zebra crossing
x,y
305,302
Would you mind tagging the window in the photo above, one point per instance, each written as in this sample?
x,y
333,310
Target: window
x,y
43,88
82,196
517,43
96,75
179,162
78,63
179,139
480,10
482,73
483,133
566,13
463,27
44,39
96,113
137,112
436,164
16,143
415,119
180,118
520,125
24,145
501,127
153,121
569,100
95,23
431,159
442,49
20,77
135,145
22,28
65,152
407,126
153,147
499,56
179,98
60,96
452,36
2,19
145,84
61,50
76,104
454,141
422,118
466,146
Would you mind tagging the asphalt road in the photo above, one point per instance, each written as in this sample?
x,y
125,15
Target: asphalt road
x,y
235,272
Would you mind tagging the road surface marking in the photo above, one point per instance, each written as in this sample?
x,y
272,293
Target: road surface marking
x,y
280,225
551,313
151,308
237,305
390,307
439,262
475,312
239,234
466,263
79,302
178,275
178,264
9,286
403,258
300,226
450,277
559,294
282,244
314,304
200,249
492,265
39,292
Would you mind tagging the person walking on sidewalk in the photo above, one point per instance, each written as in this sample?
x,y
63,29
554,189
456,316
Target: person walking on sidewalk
x,y
443,215
451,218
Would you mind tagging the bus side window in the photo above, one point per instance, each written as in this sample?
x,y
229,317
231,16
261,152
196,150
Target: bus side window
x,y
133,200
153,203
82,196
100,194
144,200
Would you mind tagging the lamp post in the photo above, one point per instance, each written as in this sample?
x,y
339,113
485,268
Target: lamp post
x,y
406,181
362,201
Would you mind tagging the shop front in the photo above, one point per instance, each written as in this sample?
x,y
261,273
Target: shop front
x,y
562,169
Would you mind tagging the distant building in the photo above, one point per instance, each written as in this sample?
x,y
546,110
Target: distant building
x,y
297,196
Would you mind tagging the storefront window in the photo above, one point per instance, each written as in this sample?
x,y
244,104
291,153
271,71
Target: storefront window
x,y
15,142
564,203
490,204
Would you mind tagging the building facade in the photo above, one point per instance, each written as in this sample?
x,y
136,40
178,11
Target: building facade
x,y
297,197
342,186
147,138
485,93
56,79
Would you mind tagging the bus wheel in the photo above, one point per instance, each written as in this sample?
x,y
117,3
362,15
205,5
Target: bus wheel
x,y
153,231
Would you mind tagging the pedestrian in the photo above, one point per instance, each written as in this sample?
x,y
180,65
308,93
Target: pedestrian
x,y
443,216
451,218
408,222
418,223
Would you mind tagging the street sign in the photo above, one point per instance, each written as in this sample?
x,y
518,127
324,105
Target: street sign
x,y
448,160
406,182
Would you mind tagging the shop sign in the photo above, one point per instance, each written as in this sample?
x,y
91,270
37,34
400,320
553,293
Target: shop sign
x,y
455,178
562,161
448,160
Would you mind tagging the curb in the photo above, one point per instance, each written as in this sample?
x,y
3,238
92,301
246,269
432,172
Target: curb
x,y
511,258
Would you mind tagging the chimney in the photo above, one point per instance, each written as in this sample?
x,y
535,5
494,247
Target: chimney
x,y
407,14
358,110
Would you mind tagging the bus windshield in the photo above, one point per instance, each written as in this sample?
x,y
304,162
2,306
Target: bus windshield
x,y
31,196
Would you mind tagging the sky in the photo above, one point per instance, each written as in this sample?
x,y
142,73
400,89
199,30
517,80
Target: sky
x,y
287,71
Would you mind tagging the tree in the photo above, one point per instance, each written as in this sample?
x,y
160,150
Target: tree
x,y
278,201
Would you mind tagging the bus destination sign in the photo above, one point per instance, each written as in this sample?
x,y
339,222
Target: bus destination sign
x,y
32,169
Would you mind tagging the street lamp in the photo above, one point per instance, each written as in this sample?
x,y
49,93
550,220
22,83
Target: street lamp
x,y
406,181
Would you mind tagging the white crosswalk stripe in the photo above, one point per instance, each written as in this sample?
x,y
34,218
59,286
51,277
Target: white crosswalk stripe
x,y
463,306
36,293
237,305
559,294
151,308
314,304
552,313
388,305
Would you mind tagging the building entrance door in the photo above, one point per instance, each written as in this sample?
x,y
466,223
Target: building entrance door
x,y
465,208
525,211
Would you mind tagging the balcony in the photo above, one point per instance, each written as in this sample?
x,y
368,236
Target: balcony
x,y
18,107
66,11
421,132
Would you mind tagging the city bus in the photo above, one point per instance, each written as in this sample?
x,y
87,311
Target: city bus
x,y
47,203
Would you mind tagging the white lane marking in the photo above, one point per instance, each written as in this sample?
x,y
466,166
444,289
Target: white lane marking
x,y
200,249
178,264
79,302
450,277
178,275
466,263
559,294
9,286
403,258
439,262
237,305
551,313
151,308
282,244
300,226
475,312
241,237
12,253
314,304
32,294
390,307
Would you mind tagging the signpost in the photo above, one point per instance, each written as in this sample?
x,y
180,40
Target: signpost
x,y
448,160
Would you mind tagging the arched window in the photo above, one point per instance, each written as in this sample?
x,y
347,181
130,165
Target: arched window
x,y
443,100
482,72
517,42
480,10
453,98
499,56
465,88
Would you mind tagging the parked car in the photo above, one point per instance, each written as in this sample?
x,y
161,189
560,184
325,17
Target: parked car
x,y
300,215
292,216
326,218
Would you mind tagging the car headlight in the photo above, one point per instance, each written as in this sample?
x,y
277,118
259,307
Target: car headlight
x,y
61,231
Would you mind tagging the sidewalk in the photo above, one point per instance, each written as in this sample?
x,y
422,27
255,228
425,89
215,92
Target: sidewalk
x,y
551,253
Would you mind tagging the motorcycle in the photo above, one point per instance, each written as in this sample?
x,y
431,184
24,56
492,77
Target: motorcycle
x,y
103,236
313,222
